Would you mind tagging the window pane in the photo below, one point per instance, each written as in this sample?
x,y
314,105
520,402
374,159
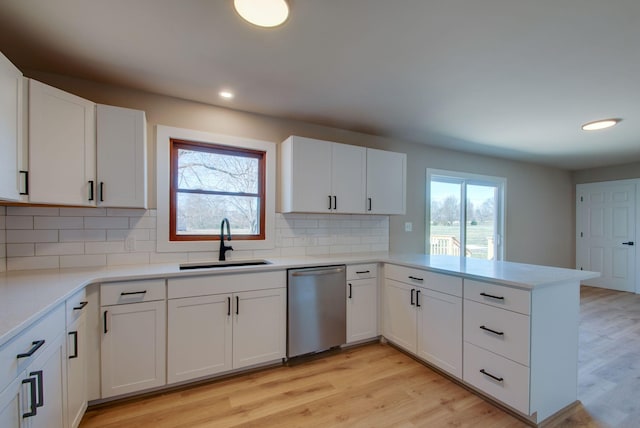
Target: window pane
x,y
198,214
445,218
200,170
481,221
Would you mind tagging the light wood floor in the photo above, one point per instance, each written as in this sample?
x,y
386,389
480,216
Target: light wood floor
x,y
378,386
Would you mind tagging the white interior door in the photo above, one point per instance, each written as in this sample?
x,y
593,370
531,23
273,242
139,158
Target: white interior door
x,y
606,233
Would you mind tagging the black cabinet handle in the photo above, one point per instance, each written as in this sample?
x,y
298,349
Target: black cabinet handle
x,y
363,271
131,293
34,347
40,383
628,243
329,201
104,319
499,333
26,182
81,306
237,305
413,290
418,298
415,278
496,378
228,306
350,291
91,190
32,385
101,191
491,296
335,202
369,209
75,344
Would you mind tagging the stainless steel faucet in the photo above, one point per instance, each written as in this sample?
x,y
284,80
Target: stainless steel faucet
x,y
224,248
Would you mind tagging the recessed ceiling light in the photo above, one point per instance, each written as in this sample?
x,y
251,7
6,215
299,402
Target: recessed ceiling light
x,y
227,95
263,13
600,124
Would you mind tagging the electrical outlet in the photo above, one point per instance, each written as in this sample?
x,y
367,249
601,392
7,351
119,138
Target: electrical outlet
x,y
130,243
408,226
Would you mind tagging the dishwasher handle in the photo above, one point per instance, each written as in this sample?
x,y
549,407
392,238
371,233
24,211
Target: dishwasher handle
x,y
318,271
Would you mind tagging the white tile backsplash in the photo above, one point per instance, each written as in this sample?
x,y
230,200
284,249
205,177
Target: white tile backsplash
x,y
43,237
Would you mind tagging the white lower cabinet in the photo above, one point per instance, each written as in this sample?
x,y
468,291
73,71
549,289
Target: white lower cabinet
x,y
33,375
133,349
362,302
215,333
77,339
423,314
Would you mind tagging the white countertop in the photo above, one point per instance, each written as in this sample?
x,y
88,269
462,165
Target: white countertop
x,y
25,296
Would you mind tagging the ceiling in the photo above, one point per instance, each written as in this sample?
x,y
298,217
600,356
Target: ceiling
x,y
508,78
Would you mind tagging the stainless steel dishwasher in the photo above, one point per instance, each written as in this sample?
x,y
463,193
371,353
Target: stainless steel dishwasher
x,y
317,309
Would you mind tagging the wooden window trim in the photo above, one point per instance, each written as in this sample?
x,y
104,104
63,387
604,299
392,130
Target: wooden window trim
x,y
175,145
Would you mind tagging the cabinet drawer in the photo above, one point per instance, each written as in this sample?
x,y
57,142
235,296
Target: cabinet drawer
x,y
511,383
45,329
513,299
225,283
434,281
75,306
120,293
362,271
502,332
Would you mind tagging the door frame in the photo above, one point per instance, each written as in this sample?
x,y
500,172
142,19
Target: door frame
x,y
634,181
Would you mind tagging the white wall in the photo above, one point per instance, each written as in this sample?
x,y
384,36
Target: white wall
x,y
540,213
3,259
609,173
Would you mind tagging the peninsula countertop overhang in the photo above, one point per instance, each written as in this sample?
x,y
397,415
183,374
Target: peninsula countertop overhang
x,y
25,296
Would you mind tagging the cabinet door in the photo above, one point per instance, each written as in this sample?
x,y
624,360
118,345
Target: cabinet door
x,y
362,309
311,176
122,160
440,330
259,327
133,347
62,147
49,372
348,178
10,407
199,337
386,182
400,315
77,371
10,128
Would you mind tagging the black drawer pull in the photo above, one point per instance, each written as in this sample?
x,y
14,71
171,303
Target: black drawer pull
x,y
91,190
330,206
35,346
81,306
237,305
228,306
363,271
101,191
499,333
350,291
418,298
39,382
32,385
415,278
491,296
413,290
104,319
26,182
75,344
131,293
497,379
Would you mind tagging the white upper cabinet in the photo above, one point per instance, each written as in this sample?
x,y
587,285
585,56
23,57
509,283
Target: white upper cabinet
x,y
62,147
320,176
122,157
10,128
386,182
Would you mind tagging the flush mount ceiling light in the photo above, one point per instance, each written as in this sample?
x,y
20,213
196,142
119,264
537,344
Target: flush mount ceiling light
x,y
227,95
600,124
263,13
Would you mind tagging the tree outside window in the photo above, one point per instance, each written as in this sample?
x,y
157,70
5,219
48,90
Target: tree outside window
x,y
210,182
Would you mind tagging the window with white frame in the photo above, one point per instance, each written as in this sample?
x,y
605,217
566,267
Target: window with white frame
x,y
465,215
203,178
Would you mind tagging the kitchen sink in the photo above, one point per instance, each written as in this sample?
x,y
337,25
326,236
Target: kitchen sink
x,y
230,263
